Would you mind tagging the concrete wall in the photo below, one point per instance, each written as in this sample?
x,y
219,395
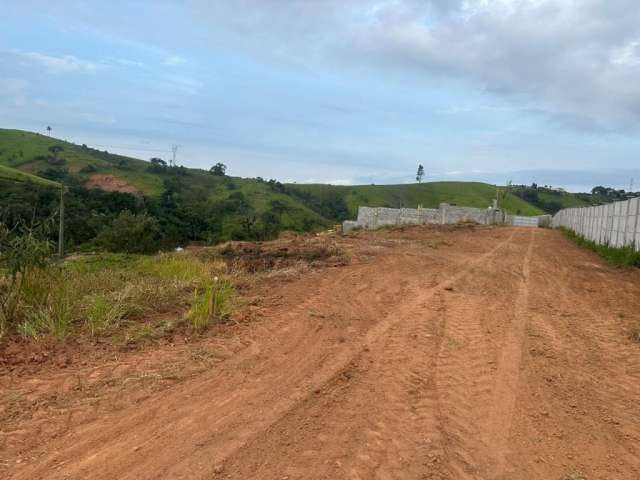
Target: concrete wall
x,y
372,218
616,224
543,221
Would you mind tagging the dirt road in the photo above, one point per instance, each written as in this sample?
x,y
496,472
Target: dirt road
x,y
438,353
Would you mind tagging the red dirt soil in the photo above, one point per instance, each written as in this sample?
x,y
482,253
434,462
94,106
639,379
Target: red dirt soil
x,y
111,184
437,353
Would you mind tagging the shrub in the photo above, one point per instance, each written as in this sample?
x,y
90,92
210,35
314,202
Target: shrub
x,y
130,233
20,256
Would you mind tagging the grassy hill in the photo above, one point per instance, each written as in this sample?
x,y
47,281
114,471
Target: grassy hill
x,y
13,174
25,153
194,205
30,153
429,195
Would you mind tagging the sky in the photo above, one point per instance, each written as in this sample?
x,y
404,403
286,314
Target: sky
x,y
334,91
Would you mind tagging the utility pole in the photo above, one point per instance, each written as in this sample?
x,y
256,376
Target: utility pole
x,y
61,230
174,149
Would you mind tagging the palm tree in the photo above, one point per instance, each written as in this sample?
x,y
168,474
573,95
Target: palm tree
x,y
49,129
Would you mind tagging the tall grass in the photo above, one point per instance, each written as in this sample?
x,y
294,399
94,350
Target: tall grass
x,y
210,305
617,256
96,295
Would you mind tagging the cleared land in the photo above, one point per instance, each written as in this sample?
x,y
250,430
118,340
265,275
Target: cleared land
x,y
437,353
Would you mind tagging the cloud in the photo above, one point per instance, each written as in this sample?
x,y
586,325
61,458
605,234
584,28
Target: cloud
x,y
129,63
61,64
572,60
174,60
13,91
100,119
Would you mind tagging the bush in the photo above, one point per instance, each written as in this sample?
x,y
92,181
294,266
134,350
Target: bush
x,y
130,233
20,256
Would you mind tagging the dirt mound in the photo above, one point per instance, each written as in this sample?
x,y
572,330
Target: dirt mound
x,y
286,252
111,184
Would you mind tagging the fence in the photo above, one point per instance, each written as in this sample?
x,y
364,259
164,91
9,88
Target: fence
x,y
615,224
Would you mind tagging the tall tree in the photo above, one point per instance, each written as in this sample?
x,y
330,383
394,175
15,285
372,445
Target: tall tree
x,y
420,173
219,169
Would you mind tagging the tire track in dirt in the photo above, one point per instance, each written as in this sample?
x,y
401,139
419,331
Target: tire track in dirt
x,y
244,379
499,356
466,384
390,407
230,424
505,390
462,382
592,371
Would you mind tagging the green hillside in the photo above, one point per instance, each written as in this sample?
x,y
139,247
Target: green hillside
x,y
195,205
428,195
13,174
30,152
191,205
551,201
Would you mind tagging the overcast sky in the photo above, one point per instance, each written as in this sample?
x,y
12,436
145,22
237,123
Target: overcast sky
x,y
356,91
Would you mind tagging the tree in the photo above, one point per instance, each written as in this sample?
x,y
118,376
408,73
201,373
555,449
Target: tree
x,y
49,129
420,173
219,169
130,233
158,165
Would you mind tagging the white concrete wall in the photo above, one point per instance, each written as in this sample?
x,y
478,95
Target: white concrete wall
x,y
616,224
372,218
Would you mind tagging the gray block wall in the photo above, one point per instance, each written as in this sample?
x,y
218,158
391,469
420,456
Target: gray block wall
x,y
616,224
372,218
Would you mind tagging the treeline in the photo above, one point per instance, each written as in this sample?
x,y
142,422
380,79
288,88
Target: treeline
x,y
531,194
552,199
330,202
123,222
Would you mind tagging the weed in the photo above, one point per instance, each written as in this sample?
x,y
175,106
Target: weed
x,y
211,305
618,256
104,314
181,268
99,293
47,304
